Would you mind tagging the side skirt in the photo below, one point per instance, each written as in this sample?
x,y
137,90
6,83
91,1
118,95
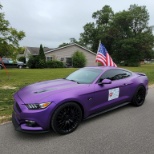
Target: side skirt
x,y
107,110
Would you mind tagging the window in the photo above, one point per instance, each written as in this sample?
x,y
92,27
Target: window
x,y
115,74
62,59
48,58
68,61
84,75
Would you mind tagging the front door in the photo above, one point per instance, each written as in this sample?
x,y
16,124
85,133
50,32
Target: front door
x,y
109,95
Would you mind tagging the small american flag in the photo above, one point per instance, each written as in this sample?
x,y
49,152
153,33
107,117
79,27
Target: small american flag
x,y
103,57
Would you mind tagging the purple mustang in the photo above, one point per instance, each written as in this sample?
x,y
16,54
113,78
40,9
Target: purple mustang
x,y
61,104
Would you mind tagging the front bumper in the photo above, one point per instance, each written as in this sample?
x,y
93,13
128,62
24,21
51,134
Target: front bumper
x,y
23,128
22,116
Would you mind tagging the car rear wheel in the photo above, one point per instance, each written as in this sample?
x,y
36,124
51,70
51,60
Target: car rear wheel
x,y
20,67
139,97
66,118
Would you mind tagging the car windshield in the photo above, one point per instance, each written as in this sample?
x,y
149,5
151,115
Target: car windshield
x,y
84,75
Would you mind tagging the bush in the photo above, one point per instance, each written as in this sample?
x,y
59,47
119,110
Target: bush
x,y
79,59
23,59
41,53
134,64
36,62
54,64
32,62
130,63
40,63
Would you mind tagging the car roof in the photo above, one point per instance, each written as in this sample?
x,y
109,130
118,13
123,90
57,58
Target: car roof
x,y
103,67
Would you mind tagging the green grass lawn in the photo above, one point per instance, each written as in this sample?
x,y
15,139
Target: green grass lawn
x,y
18,78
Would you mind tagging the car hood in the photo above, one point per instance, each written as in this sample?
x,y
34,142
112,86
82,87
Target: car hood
x,y
35,93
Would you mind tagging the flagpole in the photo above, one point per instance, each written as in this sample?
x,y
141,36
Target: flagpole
x,y
99,45
103,56
98,50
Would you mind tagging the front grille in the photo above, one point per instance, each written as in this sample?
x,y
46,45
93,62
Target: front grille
x,y
17,107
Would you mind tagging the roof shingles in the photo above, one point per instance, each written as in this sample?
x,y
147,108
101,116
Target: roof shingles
x,y
35,50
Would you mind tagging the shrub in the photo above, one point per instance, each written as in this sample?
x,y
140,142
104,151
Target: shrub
x,y
40,63
37,61
131,63
23,59
32,62
79,59
54,64
41,53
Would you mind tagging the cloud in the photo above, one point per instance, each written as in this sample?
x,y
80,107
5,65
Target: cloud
x,y
52,22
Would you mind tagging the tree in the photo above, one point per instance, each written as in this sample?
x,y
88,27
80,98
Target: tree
x,y
78,59
33,62
9,37
96,31
38,61
89,36
22,59
21,50
134,39
125,34
41,53
41,63
72,40
63,44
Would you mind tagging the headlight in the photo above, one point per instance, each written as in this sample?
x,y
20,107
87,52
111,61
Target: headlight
x,y
38,106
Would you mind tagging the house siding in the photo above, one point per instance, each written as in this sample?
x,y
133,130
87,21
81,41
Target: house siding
x,y
27,54
69,51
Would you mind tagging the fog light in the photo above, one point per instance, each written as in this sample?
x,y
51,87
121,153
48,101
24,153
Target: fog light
x,y
30,123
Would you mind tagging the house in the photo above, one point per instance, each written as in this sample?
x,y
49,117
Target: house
x,y
63,54
33,51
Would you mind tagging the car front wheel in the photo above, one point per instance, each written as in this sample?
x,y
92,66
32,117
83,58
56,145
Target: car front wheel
x,y
66,118
139,97
20,67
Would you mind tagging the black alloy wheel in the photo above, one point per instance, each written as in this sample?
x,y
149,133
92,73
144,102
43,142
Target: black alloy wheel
x,y
66,118
139,97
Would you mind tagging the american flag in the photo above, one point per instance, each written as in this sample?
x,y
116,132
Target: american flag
x,y
104,57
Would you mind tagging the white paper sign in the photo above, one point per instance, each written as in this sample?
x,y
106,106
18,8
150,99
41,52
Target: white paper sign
x,y
113,94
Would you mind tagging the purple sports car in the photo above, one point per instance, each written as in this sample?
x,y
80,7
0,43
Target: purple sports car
x,y
63,103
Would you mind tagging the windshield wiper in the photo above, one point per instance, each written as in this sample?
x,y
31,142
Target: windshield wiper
x,y
74,81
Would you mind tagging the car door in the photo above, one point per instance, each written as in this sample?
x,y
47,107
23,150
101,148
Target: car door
x,y
115,93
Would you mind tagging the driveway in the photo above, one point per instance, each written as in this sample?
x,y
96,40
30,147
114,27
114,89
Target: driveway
x,y
128,130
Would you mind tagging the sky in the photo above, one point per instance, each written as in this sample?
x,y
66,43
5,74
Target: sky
x,y
53,22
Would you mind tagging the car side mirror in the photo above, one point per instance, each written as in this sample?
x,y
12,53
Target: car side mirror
x,y
105,81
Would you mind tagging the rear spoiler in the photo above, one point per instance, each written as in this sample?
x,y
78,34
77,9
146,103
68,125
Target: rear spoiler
x,y
142,74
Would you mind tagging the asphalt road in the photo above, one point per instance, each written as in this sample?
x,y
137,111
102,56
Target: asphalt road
x,y
128,130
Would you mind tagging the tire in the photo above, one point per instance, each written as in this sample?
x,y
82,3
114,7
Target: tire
x,y
139,96
1,67
20,67
66,118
